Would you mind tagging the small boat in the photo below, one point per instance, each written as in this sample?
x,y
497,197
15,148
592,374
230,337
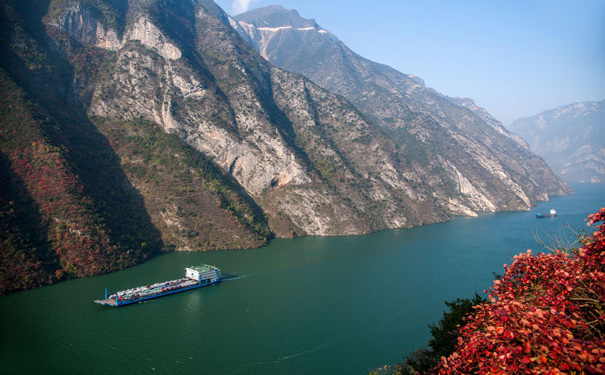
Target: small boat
x,y
552,213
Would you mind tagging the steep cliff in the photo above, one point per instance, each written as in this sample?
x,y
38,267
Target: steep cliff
x,y
570,138
467,157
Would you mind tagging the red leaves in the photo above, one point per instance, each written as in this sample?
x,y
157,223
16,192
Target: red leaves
x,y
545,316
77,233
526,347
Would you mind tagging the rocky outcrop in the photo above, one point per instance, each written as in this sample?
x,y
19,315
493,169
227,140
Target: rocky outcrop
x,y
86,25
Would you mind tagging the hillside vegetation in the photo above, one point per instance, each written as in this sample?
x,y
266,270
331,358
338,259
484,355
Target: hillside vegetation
x,y
52,225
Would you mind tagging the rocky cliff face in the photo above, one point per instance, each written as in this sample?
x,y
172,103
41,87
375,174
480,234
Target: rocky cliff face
x,y
467,157
570,138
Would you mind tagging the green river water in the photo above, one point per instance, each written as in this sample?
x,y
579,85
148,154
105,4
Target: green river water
x,y
340,305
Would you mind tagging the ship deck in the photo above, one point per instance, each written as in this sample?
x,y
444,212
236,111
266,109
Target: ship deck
x,y
112,301
108,302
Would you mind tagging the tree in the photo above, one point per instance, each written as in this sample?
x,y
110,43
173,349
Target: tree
x,y
545,315
444,337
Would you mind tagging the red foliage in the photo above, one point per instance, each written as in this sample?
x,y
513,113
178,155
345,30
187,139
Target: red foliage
x,y
78,235
546,316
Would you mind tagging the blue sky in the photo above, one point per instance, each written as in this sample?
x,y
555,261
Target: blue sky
x,y
515,58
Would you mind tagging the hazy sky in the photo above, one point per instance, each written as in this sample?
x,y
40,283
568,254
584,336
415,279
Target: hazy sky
x,y
516,58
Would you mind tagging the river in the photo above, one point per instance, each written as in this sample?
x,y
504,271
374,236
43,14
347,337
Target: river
x,y
312,305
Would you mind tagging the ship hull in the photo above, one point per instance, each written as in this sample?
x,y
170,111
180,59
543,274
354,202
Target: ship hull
x,y
112,302
544,216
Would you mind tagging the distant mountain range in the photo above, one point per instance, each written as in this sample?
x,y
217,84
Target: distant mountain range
x,y
135,127
571,139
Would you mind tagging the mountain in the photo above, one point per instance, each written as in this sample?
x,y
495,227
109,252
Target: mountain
x,y
133,127
81,194
570,138
471,162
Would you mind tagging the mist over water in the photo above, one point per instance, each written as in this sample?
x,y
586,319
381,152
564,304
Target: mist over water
x,y
312,305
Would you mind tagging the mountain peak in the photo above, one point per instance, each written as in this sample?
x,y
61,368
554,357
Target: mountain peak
x,y
275,16
569,138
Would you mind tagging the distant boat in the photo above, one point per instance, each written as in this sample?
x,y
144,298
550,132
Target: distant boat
x,y
552,213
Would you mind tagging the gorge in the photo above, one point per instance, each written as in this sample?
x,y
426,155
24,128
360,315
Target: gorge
x,y
131,128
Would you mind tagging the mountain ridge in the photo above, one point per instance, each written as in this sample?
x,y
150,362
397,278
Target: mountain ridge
x,y
403,107
568,138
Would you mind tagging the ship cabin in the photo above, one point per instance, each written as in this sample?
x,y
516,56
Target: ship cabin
x,y
204,274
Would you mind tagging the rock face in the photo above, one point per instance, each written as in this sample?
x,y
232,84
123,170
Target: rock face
x,y
570,138
469,160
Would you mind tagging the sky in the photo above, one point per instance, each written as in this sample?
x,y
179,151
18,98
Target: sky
x,y
515,58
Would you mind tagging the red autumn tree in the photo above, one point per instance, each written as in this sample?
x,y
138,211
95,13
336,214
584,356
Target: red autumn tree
x,y
545,316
